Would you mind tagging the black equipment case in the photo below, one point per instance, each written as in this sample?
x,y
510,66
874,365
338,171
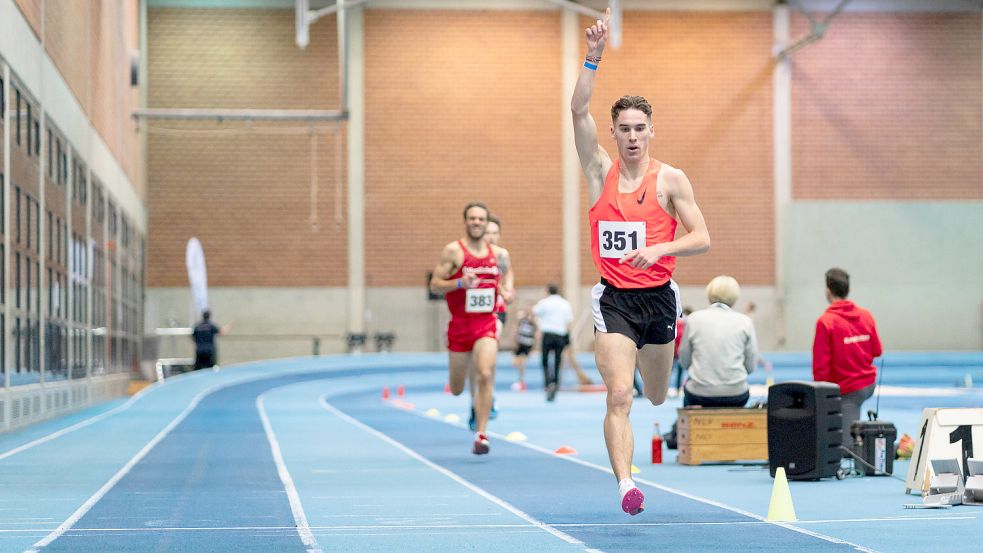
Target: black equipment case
x,y
873,441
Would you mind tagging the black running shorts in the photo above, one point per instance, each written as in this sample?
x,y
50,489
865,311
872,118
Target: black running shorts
x,y
646,315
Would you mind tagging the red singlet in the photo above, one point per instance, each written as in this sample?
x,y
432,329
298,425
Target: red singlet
x,y
617,223
472,309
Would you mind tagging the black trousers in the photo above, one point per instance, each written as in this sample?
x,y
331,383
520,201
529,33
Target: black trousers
x,y
553,344
204,359
721,401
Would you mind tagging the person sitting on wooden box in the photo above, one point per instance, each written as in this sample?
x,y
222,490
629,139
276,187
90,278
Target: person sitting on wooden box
x,y
719,348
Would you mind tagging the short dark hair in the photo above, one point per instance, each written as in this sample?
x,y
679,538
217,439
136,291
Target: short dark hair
x,y
631,102
206,314
838,282
495,219
552,288
475,204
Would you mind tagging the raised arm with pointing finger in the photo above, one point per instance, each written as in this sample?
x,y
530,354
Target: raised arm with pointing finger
x,y
593,159
636,204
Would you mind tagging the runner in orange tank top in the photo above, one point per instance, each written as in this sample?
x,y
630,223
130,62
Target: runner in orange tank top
x,y
636,204
470,275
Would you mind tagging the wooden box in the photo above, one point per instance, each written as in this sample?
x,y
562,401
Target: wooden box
x,y
719,434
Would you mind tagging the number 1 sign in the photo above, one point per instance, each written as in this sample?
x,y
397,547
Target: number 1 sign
x,y
944,434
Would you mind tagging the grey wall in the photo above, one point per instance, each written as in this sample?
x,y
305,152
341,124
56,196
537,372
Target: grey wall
x,y
283,322
917,266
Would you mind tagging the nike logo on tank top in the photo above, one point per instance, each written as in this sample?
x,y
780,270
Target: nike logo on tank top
x,y
624,221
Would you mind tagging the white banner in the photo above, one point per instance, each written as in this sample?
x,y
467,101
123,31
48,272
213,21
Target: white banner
x,y
197,275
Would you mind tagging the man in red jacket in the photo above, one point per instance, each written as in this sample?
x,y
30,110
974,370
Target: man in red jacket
x,y
845,347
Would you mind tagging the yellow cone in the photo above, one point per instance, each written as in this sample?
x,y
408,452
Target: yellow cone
x,y
452,418
432,412
780,509
635,470
769,382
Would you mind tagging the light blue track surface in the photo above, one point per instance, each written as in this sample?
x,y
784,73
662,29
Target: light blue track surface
x,y
188,466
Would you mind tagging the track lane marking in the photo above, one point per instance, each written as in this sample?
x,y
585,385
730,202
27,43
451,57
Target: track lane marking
x,y
667,489
455,477
296,507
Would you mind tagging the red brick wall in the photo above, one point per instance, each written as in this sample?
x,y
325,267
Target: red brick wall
x,y
708,78
888,106
474,110
243,190
468,111
90,44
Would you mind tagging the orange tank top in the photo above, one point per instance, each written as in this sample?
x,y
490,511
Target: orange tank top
x,y
621,222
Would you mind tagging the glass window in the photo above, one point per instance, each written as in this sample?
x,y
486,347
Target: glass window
x,y
51,171
29,127
17,231
28,291
37,137
17,112
17,273
18,362
37,227
30,208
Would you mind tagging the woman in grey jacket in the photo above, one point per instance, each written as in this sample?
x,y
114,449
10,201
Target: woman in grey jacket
x,y
719,349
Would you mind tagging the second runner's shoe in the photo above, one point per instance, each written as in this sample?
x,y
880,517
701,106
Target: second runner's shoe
x,y
481,446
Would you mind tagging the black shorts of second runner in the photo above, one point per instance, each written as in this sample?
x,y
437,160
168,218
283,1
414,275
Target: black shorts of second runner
x,y
646,315
523,349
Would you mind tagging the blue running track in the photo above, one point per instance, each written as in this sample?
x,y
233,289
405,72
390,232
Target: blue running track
x,y
302,455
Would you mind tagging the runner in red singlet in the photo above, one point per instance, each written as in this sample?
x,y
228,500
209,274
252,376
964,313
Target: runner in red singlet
x,y
636,204
493,233
470,275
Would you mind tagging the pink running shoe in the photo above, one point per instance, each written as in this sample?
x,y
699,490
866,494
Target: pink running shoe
x,y
481,446
633,502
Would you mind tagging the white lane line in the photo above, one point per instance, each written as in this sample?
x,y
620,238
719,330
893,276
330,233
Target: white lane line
x,y
303,528
129,403
674,491
101,492
81,424
432,527
453,476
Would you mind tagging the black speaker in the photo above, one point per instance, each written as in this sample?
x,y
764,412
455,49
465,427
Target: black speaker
x,y
805,429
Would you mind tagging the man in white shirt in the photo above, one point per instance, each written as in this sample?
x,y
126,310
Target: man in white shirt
x,y
553,316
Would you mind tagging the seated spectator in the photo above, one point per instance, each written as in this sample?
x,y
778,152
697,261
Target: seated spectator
x,y
719,349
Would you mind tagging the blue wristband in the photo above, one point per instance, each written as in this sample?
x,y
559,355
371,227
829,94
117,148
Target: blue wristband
x,y
591,66
458,284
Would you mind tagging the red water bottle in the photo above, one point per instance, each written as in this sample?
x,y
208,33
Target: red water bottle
x,y
657,446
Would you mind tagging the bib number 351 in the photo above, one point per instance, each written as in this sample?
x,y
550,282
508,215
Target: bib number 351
x,y
616,238
479,300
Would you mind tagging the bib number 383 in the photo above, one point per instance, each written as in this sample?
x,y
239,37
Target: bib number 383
x,y
479,300
616,238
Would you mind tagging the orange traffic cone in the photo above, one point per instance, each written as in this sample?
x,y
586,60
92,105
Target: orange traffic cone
x,y
447,387
400,391
565,450
385,392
